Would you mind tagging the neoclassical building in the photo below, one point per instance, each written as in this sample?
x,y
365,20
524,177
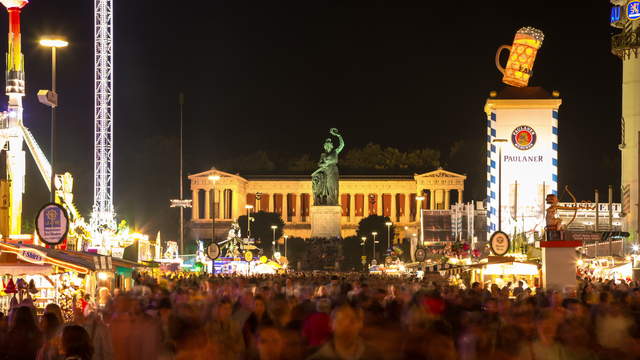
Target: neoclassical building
x,y
395,196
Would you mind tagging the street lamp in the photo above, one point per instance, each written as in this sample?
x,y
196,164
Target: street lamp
x,y
388,223
420,198
499,142
374,243
248,207
364,256
50,98
214,179
274,227
285,245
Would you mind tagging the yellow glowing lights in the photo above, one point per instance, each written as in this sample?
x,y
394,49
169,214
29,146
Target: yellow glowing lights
x,y
103,276
38,257
53,42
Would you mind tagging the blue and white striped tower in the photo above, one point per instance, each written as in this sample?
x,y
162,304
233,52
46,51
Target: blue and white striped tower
x,y
522,123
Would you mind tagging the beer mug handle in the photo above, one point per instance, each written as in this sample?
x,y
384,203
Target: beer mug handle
x,y
500,68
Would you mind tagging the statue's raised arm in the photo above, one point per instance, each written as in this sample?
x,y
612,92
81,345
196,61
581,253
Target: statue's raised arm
x,y
334,132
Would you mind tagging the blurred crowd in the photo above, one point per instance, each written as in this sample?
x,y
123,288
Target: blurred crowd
x,y
326,316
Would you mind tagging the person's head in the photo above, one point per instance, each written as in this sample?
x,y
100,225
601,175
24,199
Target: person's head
x,y
23,319
76,342
347,321
328,145
520,283
224,309
269,342
49,324
55,310
259,306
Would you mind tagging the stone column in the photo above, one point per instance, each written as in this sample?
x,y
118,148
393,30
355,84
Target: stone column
x,y
285,207
432,199
460,196
207,204
352,208
379,204
195,209
394,215
447,199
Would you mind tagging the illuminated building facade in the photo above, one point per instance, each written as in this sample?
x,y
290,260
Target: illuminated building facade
x,y
625,15
522,158
395,196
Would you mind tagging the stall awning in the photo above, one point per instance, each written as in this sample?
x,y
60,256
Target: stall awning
x,y
44,256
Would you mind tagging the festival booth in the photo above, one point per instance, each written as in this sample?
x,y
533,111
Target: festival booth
x,y
47,275
501,270
606,268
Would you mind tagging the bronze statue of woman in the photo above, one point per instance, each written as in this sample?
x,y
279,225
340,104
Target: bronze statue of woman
x,y
325,180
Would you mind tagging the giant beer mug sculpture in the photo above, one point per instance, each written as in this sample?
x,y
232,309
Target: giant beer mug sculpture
x,y
522,55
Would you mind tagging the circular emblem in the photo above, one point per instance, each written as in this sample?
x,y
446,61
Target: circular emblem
x,y
420,255
633,10
213,251
499,243
52,224
523,137
248,256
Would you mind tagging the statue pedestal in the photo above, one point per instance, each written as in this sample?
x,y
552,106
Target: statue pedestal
x,y
325,221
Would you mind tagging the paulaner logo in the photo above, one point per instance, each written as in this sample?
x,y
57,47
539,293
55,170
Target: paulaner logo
x,y
523,137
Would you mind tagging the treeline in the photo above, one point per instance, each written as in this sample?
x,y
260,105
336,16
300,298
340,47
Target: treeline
x,y
370,157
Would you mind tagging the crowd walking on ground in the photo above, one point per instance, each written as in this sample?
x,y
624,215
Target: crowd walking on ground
x,y
344,316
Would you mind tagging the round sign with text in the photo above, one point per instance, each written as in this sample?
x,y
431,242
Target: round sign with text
x,y
213,251
523,137
52,224
499,243
420,255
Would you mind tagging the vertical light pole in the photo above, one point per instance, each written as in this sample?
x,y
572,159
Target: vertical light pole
x,y
248,207
214,179
388,223
499,142
181,103
50,98
274,227
362,261
285,244
419,199
374,244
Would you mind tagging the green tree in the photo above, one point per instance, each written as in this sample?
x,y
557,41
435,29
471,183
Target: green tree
x,y
352,251
302,163
296,248
261,229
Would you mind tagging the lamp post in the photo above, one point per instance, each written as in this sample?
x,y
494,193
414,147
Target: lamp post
x,y
363,261
285,245
248,207
274,227
214,179
388,223
374,243
499,142
420,198
50,98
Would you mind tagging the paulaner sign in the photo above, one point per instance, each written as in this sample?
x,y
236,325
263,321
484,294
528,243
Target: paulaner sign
x,y
523,158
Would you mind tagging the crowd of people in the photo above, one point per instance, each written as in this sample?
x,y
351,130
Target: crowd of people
x,y
344,316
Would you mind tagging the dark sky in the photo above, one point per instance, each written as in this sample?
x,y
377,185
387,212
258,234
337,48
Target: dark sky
x,y
273,75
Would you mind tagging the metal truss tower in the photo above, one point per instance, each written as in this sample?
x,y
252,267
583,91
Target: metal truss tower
x,y
103,213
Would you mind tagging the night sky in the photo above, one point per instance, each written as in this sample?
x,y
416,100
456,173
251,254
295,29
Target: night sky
x,y
275,76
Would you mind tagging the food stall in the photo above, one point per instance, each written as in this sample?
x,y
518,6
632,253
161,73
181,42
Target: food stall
x,y
46,275
501,270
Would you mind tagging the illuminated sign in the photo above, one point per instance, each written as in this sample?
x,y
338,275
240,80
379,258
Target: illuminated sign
x,y
615,14
523,137
499,243
52,224
32,256
633,10
522,55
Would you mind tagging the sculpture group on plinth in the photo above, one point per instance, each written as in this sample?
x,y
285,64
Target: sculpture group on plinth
x,y
326,212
